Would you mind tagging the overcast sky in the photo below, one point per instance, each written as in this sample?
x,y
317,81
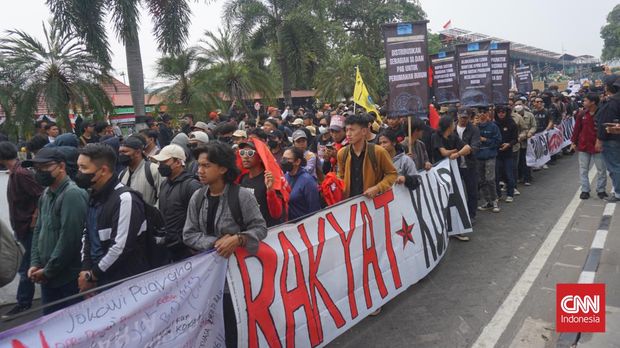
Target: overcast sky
x,y
571,24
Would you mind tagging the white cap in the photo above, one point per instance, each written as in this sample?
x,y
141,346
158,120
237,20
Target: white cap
x,y
168,152
200,136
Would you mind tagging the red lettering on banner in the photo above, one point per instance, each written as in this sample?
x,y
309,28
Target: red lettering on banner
x,y
370,256
315,283
346,244
19,344
258,307
296,298
383,201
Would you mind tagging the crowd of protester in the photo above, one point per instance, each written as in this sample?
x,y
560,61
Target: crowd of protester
x,y
97,208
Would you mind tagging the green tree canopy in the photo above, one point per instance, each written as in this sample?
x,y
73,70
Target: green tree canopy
x,y
610,34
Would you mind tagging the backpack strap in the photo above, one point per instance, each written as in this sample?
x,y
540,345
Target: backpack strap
x,y
233,203
149,177
371,155
235,206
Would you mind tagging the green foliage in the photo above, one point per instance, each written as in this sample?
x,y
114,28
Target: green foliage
x,y
335,80
61,72
610,34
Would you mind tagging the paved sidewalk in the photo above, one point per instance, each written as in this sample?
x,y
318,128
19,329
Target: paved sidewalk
x,y
608,273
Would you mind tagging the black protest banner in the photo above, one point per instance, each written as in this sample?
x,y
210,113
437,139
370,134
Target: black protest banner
x,y
500,71
474,66
406,56
523,78
445,80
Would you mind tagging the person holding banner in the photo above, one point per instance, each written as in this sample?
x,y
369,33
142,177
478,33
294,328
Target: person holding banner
x,y
365,168
223,216
584,140
304,198
470,135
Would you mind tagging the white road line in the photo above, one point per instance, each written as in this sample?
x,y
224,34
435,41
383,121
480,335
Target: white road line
x,y
609,209
586,277
496,327
599,239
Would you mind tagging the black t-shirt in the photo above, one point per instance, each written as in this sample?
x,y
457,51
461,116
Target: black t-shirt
x,y
213,202
257,186
451,143
356,174
542,119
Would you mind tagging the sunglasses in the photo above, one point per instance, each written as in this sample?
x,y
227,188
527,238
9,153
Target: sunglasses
x,y
247,153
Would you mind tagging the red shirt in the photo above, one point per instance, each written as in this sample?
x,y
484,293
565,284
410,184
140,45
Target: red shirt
x,y
584,133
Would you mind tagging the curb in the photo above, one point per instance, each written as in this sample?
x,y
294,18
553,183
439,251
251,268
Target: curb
x,y
588,273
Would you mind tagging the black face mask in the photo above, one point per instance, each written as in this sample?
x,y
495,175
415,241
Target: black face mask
x,y
272,144
164,170
193,145
44,178
124,159
286,166
84,181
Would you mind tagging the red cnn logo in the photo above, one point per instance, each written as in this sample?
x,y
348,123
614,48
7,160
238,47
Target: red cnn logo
x,y
580,308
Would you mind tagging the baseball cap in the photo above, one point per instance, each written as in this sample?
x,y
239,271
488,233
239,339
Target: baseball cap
x,y
45,155
298,122
200,136
298,134
133,142
276,133
247,144
200,126
168,152
240,134
337,123
312,130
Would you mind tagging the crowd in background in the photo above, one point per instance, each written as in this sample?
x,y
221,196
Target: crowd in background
x,y
93,207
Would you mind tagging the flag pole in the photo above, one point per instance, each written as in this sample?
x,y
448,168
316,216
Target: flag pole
x,y
354,103
409,137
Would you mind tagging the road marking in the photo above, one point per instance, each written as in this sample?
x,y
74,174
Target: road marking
x,y
498,324
599,239
586,277
609,209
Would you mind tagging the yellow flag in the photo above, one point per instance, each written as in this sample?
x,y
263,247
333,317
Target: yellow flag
x,y
361,96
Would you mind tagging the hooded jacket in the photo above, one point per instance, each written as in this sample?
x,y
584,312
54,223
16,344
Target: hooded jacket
x,y
488,147
173,202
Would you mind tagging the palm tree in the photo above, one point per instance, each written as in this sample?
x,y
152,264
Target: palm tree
x,y
86,19
189,87
288,28
18,104
61,72
335,79
230,70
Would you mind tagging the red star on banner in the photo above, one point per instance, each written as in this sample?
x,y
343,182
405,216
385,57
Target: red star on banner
x,y
405,232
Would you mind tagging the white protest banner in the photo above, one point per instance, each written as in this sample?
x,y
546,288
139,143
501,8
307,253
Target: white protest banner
x,y
543,145
176,306
312,280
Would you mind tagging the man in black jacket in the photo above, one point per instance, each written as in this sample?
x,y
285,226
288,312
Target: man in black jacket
x,y
607,137
113,243
505,162
174,195
468,165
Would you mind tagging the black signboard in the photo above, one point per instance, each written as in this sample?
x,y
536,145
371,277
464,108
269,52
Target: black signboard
x,y
523,78
500,71
474,67
445,79
406,57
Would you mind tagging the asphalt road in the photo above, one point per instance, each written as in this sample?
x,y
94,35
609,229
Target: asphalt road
x,y
451,306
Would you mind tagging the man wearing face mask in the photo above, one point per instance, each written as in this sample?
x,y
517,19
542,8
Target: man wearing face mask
x,y
113,242
275,142
139,174
176,190
55,257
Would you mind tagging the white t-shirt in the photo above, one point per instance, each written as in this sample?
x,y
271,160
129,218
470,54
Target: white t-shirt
x,y
460,131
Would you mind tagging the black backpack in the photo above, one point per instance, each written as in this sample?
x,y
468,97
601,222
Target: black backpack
x,y
233,204
154,241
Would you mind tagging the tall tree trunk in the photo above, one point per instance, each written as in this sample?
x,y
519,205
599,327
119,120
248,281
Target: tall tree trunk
x,y
135,73
286,81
